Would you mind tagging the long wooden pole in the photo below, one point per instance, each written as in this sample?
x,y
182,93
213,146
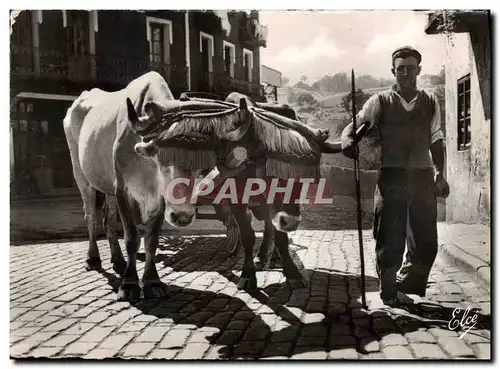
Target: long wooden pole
x,y
358,194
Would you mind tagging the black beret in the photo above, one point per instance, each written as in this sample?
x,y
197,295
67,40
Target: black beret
x,y
406,51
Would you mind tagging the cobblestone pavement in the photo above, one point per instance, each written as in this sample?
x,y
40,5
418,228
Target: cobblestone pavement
x,y
57,309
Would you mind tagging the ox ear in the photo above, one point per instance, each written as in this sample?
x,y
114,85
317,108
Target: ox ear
x,y
153,110
138,124
146,149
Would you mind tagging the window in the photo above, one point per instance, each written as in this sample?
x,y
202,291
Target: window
x,y
157,43
159,33
248,64
78,32
207,50
229,58
207,66
464,116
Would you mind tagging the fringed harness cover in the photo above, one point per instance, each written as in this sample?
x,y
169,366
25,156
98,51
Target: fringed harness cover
x,y
197,133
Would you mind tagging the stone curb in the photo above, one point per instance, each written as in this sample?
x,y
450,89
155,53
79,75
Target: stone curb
x,y
469,263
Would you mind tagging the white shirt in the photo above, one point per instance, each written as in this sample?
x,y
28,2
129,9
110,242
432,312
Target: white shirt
x,y
372,107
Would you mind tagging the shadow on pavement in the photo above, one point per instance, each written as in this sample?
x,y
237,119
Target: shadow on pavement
x,y
276,321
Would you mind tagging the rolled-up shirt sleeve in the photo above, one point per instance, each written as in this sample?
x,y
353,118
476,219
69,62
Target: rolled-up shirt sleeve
x,y
370,111
436,131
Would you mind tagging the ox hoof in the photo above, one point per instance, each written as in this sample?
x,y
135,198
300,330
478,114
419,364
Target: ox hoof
x,y
297,283
93,264
129,292
119,267
154,290
247,284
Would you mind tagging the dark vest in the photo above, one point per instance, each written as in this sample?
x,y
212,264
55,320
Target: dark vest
x,y
405,137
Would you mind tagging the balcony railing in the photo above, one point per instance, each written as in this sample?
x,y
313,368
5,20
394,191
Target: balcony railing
x,y
223,84
32,62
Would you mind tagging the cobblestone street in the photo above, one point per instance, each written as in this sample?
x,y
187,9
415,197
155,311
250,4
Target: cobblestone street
x,y
60,310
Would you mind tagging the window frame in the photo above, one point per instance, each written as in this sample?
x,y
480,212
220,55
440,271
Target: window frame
x,y
211,44
464,120
166,26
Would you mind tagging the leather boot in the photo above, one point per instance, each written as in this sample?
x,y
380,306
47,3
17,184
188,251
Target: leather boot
x,y
413,279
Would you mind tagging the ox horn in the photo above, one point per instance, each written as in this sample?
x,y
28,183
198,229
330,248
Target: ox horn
x,y
243,104
132,114
244,112
335,147
329,147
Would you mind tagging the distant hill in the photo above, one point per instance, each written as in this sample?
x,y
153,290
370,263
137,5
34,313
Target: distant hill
x,y
333,100
340,83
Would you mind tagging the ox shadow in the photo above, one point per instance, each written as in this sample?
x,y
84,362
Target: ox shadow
x,y
275,321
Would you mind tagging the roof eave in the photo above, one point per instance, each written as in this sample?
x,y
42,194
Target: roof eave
x,y
458,22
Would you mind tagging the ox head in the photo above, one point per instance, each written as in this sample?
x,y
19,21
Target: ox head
x,y
175,183
182,154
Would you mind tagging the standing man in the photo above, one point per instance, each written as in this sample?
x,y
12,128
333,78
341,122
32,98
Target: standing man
x,y
410,177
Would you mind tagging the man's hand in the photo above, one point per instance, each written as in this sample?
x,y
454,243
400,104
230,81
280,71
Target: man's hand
x,y
442,187
350,150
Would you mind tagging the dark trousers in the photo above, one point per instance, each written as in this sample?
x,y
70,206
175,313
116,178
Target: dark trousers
x,y
400,195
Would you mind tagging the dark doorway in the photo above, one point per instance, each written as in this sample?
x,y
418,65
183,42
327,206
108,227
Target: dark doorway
x,y
42,163
206,76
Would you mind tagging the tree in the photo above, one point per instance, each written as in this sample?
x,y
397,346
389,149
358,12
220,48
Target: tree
x,y
360,97
340,83
442,76
366,81
284,80
305,99
303,79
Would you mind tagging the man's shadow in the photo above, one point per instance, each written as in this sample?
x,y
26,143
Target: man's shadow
x,y
325,316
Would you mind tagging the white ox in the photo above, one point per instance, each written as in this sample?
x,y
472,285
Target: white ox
x,y
109,156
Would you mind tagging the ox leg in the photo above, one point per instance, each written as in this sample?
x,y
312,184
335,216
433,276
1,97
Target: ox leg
x,y
293,277
152,288
110,213
248,279
88,194
89,197
267,245
129,289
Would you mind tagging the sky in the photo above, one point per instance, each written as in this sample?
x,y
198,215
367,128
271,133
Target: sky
x,y
317,43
